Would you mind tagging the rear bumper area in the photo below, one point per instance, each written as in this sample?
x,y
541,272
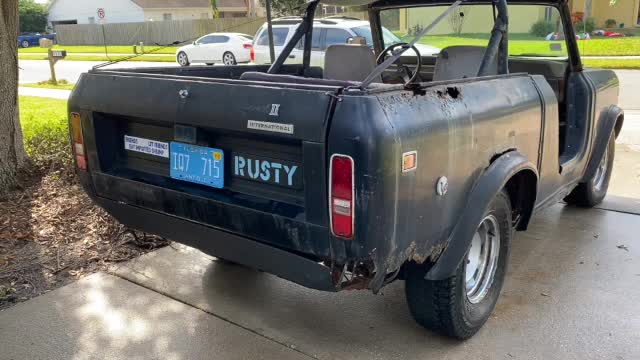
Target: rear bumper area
x,y
228,246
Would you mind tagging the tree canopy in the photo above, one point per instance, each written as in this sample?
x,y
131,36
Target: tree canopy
x,y
285,7
33,16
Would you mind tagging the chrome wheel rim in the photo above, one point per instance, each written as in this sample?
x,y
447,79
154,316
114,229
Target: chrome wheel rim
x,y
182,59
228,59
25,44
601,172
482,259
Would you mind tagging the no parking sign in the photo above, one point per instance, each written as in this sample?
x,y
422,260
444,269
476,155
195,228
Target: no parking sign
x,y
101,13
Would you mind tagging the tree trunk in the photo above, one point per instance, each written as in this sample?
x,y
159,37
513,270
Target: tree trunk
x,y
12,154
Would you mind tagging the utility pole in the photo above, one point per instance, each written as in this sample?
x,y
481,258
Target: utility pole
x,y
587,9
272,51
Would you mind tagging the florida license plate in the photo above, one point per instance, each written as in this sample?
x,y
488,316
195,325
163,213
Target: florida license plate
x,y
197,164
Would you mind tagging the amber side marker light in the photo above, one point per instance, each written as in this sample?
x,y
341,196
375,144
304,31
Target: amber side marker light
x,y
78,141
409,161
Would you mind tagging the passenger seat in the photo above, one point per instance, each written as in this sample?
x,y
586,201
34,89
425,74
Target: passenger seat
x,y
349,62
461,62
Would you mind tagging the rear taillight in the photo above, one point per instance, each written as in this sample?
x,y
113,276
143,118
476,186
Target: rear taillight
x,y
78,142
247,46
341,199
253,54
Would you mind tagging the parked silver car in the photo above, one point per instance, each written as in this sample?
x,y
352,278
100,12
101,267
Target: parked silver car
x,y
326,32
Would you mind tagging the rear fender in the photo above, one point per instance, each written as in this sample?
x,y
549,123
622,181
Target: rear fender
x,y
490,183
610,120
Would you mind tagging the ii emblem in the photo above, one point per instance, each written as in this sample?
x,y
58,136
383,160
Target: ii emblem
x,y
274,109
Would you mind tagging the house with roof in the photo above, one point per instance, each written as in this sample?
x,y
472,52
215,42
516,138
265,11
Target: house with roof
x,y
621,14
124,11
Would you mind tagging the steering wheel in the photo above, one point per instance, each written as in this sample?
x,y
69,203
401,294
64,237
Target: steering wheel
x,y
403,70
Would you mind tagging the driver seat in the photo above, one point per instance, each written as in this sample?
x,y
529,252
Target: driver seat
x,y
461,62
349,62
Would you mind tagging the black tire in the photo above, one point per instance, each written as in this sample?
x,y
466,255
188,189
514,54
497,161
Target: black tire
x,y
182,59
444,306
593,191
25,44
229,59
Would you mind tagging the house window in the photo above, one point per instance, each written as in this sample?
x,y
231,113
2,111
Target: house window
x,y
92,20
166,17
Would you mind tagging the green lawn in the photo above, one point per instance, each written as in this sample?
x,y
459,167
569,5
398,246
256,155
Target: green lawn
x,y
520,44
45,129
62,85
116,49
167,58
612,63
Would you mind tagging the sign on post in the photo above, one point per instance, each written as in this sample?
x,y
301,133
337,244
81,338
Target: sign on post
x,y
54,56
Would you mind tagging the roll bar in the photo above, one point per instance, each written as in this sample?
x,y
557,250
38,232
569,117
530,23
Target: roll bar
x,y
498,42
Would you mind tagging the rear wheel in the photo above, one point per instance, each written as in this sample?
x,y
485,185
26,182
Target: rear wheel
x,y
593,191
183,59
25,44
459,305
228,58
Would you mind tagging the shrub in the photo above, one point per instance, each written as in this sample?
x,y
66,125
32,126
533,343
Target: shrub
x,y
587,25
46,132
415,30
542,28
610,23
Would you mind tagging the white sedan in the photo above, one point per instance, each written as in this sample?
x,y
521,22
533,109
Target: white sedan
x,y
220,48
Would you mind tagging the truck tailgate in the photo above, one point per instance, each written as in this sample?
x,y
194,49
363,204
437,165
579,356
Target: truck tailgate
x,y
271,144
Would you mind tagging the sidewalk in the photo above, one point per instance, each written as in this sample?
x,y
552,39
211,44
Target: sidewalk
x,y
105,317
40,92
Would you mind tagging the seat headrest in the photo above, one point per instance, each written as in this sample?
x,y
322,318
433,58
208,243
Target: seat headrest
x,y
460,62
348,62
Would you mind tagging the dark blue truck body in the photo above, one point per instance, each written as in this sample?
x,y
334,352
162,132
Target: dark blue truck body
x,y
459,129
536,132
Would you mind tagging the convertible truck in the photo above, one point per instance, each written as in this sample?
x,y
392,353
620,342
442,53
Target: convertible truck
x,y
378,167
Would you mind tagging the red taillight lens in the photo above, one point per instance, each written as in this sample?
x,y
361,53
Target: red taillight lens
x,y
253,54
342,196
78,142
247,46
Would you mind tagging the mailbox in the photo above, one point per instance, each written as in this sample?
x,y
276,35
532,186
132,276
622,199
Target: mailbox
x,y
54,56
58,54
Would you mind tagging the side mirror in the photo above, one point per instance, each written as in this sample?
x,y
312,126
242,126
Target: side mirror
x,y
194,43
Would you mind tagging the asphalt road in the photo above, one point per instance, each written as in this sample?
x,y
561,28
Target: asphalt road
x,y
32,71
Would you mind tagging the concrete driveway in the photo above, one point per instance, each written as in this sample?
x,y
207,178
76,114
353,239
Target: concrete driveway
x,y
572,292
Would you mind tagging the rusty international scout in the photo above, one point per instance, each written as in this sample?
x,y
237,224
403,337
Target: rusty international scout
x,y
384,164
